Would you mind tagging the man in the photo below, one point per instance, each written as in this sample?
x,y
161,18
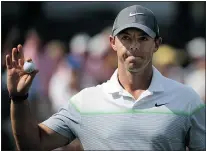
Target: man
x,y
137,109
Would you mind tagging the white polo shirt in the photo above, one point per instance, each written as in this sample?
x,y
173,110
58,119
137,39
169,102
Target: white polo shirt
x,y
167,116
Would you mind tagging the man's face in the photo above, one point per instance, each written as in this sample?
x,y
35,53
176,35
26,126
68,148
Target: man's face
x,y
134,49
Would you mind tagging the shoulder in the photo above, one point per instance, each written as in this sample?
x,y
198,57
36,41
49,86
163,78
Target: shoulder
x,y
179,88
184,93
88,92
88,96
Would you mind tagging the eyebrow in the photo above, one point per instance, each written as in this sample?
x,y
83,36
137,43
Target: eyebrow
x,y
124,32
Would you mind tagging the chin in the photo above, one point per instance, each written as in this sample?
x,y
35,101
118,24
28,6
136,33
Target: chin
x,y
134,70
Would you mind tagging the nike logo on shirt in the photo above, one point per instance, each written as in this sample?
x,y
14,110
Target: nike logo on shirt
x,y
157,105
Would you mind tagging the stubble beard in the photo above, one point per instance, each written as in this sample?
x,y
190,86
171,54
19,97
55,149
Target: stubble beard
x,y
137,70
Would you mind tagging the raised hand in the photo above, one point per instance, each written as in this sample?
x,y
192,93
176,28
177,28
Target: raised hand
x,y
18,82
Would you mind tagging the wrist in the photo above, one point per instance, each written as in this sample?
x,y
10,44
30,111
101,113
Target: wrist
x,y
18,98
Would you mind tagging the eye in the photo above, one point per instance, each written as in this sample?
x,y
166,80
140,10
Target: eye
x,y
125,37
143,38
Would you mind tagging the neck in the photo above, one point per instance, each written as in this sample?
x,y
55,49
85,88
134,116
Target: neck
x,y
135,81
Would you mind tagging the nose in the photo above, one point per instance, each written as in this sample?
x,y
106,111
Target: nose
x,y
135,46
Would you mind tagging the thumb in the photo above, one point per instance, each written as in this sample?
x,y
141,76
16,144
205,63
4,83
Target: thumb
x,y
31,77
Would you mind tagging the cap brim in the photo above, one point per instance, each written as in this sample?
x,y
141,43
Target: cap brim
x,y
147,30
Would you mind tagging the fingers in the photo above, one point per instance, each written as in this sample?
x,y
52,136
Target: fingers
x,y
29,60
14,64
8,62
17,56
20,52
17,59
14,55
21,62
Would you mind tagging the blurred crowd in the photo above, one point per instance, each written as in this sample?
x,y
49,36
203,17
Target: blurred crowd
x,y
85,61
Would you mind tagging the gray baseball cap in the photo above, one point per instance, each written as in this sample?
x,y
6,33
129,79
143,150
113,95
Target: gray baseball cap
x,y
136,16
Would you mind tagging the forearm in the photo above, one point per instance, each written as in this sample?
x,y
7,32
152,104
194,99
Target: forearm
x,y
24,126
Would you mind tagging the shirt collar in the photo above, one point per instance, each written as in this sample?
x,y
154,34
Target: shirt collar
x,y
156,84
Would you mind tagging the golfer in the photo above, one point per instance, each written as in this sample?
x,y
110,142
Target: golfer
x,y
137,109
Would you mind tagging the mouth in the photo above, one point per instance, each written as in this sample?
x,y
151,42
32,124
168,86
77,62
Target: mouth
x,y
139,57
135,57
135,60
129,54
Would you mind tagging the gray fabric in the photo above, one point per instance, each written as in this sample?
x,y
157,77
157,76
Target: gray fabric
x,y
136,16
135,25
130,131
65,122
106,118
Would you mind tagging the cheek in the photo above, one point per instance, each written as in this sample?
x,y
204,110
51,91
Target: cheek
x,y
147,49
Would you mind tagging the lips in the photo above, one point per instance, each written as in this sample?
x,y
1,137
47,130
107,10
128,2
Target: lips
x,y
135,57
138,57
129,54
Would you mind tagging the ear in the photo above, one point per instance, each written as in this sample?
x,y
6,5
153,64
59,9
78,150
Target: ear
x,y
158,42
112,42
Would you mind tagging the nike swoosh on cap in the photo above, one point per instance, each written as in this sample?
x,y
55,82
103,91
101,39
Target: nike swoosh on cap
x,y
133,14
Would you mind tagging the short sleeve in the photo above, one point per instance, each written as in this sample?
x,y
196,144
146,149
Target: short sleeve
x,y
66,121
197,132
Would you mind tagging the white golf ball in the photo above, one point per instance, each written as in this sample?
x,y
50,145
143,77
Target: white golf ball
x,y
29,67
